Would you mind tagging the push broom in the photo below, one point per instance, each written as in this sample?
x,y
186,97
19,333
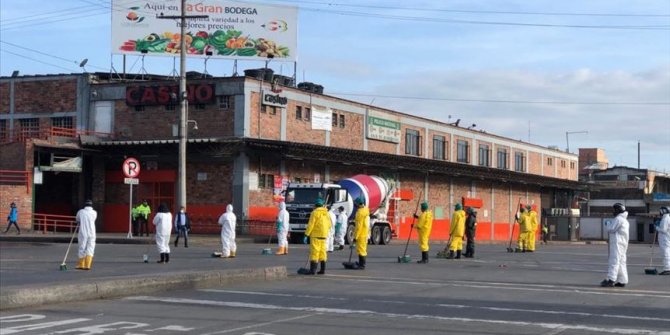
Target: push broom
x,y
651,270
511,236
63,266
405,258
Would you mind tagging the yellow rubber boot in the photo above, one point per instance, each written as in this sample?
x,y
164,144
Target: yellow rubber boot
x,y
232,254
89,262
280,251
81,263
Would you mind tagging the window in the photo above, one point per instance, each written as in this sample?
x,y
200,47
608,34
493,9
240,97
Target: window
x,y
562,163
334,120
3,131
266,181
30,128
63,122
462,151
272,110
519,162
341,120
224,101
502,159
572,165
484,155
438,147
308,113
412,140
550,161
298,112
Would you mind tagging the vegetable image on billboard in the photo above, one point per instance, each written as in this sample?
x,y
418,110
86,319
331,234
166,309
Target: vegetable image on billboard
x,y
231,29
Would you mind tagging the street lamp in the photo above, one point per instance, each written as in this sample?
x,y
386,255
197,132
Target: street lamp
x,y
567,140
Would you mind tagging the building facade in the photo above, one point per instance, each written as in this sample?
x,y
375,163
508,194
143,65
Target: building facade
x,y
253,137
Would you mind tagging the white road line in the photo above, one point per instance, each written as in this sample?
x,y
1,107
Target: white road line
x,y
271,294
508,286
342,311
263,324
35,326
499,309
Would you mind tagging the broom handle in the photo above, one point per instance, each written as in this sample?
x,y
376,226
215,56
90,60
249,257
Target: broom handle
x,y
413,220
514,222
651,260
71,239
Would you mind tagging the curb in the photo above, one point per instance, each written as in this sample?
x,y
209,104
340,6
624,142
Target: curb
x,y
137,285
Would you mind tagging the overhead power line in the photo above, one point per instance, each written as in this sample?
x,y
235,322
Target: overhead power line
x,y
641,103
464,11
36,60
49,55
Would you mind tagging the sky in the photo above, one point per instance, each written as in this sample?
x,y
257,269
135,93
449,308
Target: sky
x,y
598,70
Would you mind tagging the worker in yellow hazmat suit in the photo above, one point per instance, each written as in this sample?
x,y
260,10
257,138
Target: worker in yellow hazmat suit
x,y
456,232
361,232
524,230
316,233
532,215
424,227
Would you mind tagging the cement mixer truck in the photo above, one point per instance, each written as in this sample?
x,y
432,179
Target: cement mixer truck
x,y
374,190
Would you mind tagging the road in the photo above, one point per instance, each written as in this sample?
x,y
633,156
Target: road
x,y
552,291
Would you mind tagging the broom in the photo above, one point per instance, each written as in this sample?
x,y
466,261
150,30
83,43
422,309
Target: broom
x,y
63,266
405,258
509,247
652,270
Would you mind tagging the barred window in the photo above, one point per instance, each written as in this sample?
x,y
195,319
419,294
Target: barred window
x,y
267,181
412,142
224,101
298,112
4,136
439,144
334,120
308,113
341,120
29,128
519,162
502,159
484,155
63,122
463,151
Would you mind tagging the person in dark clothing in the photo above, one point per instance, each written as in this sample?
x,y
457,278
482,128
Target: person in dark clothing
x,y
182,225
12,218
470,227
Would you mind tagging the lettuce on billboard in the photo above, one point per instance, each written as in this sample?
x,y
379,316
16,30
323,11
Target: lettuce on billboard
x,y
231,30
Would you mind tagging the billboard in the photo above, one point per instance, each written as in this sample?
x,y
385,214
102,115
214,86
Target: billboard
x,y
383,127
232,29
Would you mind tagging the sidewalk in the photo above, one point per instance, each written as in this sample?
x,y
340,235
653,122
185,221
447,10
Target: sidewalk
x,y
30,272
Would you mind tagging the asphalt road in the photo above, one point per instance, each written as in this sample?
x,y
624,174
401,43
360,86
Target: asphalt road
x,y
552,291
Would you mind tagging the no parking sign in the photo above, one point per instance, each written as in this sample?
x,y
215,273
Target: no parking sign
x,y
131,167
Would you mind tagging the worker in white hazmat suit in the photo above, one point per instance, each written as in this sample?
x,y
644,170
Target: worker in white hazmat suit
x,y
282,229
163,223
227,221
340,227
86,238
663,229
330,239
617,228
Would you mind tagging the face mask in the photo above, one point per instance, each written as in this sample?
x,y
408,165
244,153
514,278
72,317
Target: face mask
x,y
181,211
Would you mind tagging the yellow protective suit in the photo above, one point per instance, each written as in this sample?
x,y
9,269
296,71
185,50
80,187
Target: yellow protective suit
x,y
533,230
457,230
317,230
423,228
362,230
524,230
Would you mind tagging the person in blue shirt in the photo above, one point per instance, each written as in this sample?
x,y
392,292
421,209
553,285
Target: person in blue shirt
x,y
12,218
182,225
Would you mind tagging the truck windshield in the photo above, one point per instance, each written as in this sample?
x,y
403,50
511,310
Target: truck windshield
x,y
304,195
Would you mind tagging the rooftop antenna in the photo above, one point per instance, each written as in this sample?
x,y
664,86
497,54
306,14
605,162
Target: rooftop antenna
x,y
83,63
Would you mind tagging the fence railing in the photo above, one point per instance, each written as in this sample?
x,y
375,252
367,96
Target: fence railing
x,y
16,177
45,133
51,223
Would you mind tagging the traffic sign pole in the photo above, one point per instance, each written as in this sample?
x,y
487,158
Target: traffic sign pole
x,y
131,169
130,213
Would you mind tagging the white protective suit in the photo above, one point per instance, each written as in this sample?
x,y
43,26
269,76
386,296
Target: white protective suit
x,y
663,230
227,221
618,244
330,239
341,223
163,223
283,226
86,237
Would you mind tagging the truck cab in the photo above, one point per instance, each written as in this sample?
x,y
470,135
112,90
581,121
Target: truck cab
x,y
300,200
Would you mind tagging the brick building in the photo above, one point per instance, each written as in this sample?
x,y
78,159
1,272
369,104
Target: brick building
x,y
251,138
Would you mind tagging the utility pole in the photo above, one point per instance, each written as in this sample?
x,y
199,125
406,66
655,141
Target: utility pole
x,y
183,98
567,139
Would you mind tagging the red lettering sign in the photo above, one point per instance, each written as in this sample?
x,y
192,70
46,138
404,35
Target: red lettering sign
x,y
168,95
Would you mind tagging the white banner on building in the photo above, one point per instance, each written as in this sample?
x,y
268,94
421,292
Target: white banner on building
x,y
232,29
383,127
322,119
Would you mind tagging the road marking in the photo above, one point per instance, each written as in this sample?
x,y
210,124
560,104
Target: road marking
x,y
507,286
99,329
263,324
343,311
273,294
19,329
21,318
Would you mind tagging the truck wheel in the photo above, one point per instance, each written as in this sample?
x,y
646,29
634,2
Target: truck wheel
x,y
376,237
350,234
386,235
